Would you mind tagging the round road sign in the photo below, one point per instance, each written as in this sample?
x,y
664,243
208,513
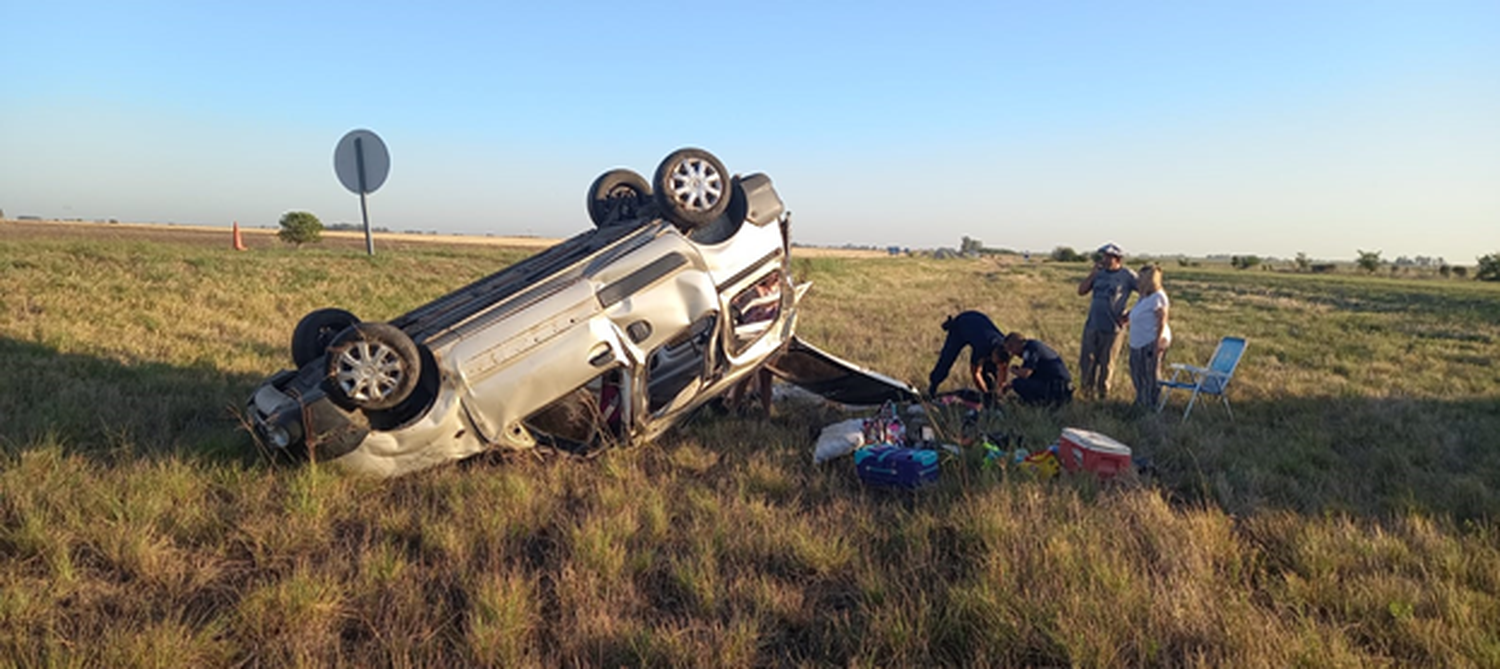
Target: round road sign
x,y
361,162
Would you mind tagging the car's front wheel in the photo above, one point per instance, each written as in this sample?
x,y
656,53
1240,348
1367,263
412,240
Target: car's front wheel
x,y
692,187
372,366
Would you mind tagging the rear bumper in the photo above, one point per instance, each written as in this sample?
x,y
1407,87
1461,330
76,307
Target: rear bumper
x,y
290,415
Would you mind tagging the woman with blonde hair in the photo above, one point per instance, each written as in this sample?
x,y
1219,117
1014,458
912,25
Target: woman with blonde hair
x,y
1150,335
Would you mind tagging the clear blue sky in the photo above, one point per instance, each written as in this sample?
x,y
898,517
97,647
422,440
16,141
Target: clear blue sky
x,y
1167,127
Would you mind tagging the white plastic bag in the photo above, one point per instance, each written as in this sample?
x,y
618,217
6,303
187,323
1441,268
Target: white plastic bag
x,y
839,439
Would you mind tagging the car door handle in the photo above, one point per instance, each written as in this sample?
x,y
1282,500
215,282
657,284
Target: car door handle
x,y
602,356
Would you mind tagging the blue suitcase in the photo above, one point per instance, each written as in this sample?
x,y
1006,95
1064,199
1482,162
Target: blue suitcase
x,y
896,466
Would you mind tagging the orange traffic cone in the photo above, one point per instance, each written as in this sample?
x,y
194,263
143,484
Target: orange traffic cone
x,y
239,244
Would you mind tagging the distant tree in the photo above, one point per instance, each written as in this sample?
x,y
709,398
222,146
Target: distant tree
x,y
300,227
1445,270
970,245
1244,262
1067,254
1324,268
1489,268
1304,263
1369,261
1460,271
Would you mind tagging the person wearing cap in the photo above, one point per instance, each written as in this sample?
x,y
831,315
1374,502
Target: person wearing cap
x,y
987,356
1110,282
1041,379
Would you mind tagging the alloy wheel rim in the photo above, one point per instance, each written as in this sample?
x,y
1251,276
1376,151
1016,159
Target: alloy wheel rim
x,y
369,371
696,184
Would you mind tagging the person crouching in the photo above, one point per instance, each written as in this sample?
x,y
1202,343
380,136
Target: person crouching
x,y
1041,379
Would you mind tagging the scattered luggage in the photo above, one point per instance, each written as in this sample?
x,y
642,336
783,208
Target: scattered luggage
x,y
896,466
839,439
890,452
1042,464
885,427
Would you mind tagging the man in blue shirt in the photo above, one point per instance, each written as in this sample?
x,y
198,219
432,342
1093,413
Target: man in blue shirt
x,y
1111,283
1041,378
987,356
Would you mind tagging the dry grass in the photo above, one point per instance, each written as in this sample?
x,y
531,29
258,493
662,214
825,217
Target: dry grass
x,y
1347,518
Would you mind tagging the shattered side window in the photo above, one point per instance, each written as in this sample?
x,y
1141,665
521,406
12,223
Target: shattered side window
x,y
755,308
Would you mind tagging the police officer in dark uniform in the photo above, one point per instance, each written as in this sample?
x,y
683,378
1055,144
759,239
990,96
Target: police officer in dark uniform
x,y
1042,378
987,355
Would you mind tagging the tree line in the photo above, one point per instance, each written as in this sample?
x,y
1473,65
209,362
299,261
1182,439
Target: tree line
x,y
1487,267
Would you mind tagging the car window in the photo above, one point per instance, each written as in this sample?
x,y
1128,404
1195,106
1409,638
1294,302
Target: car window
x,y
755,308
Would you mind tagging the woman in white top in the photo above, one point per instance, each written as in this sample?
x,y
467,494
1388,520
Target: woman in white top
x,y
1149,336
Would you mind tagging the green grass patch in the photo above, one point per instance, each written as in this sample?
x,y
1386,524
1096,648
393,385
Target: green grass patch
x,y
1347,516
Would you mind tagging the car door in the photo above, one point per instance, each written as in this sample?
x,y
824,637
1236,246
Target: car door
x,y
839,380
663,303
515,366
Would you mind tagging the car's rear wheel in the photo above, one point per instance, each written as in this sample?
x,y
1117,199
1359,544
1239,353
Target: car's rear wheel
x,y
617,196
372,366
316,331
692,187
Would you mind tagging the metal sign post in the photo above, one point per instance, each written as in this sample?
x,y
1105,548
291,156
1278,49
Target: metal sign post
x,y
364,213
361,163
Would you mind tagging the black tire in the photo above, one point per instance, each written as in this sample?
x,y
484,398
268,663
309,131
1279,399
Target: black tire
x,y
692,187
617,196
372,366
725,226
739,203
316,331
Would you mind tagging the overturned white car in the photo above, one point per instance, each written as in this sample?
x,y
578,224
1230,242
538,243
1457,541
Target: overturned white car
x,y
681,290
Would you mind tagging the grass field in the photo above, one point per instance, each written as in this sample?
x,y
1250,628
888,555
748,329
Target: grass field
x,y
1348,516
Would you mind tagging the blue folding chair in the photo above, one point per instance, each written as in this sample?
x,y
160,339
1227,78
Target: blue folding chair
x,y
1213,380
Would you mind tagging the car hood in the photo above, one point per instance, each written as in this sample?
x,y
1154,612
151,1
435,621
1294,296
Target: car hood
x,y
839,380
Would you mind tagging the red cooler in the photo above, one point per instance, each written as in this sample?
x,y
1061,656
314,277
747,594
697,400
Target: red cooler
x,y
1092,452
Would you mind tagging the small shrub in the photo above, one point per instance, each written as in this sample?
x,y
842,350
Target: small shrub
x,y
1489,268
1369,261
300,227
1460,271
1324,268
1067,254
